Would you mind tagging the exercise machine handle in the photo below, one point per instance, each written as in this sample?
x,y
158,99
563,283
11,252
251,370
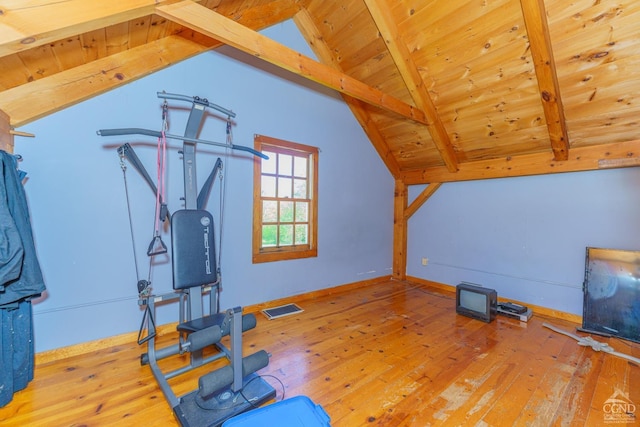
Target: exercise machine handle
x,y
129,131
149,132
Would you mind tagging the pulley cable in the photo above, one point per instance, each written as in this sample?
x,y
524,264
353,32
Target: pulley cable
x,y
157,246
123,166
144,286
223,191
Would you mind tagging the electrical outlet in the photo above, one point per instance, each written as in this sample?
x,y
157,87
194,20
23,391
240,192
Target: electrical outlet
x,y
425,261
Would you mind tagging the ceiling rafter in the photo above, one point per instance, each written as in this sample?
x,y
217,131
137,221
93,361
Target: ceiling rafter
x,y
381,14
310,32
41,97
535,19
212,24
24,27
44,96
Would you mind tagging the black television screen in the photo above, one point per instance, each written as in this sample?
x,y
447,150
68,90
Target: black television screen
x,y
612,293
477,302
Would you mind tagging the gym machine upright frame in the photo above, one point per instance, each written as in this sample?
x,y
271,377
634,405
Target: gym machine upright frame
x,y
233,388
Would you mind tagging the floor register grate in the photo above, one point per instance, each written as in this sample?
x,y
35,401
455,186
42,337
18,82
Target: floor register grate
x,y
281,311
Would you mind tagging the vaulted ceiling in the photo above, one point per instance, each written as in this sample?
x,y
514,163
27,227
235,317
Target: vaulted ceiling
x,y
446,90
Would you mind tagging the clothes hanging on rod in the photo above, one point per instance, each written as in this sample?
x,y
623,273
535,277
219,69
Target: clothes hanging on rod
x,y
20,281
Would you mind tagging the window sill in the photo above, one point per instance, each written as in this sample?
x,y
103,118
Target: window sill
x,y
282,254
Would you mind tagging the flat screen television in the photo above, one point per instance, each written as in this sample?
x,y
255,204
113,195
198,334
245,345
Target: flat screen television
x,y
612,293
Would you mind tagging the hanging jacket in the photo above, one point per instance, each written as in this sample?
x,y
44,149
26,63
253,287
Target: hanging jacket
x,y
20,274
11,249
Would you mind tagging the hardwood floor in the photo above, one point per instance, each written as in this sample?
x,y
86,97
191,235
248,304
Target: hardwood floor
x,y
388,354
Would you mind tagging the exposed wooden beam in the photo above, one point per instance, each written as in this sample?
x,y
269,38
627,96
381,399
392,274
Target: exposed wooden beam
x,y
381,13
535,19
400,201
624,154
25,24
6,137
39,98
401,214
421,199
69,87
214,25
310,32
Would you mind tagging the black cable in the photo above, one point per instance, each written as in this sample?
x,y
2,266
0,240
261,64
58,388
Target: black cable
x,y
233,405
263,376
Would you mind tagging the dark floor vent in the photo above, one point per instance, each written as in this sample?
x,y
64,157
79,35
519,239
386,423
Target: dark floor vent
x,y
281,311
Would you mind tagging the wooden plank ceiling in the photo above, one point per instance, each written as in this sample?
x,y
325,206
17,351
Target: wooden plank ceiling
x,y
446,90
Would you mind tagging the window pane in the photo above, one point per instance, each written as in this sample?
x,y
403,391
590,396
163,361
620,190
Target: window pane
x,y
301,234
284,187
269,166
286,211
285,164
300,188
286,235
269,235
300,167
269,211
284,224
302,211
268,186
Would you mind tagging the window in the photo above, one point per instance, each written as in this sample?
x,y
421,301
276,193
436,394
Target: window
x,y
285,200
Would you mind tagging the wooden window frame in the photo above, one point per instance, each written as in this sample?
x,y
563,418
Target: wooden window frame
x,y
280,253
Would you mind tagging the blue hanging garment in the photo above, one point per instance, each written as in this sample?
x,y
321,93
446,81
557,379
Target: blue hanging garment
x,y
20,281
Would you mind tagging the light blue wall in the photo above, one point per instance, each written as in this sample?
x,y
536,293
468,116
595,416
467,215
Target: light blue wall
x,y
79,215
525,237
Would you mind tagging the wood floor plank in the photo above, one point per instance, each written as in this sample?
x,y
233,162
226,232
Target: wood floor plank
x,y
387,354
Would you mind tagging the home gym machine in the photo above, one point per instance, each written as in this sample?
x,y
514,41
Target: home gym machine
x,y
235,387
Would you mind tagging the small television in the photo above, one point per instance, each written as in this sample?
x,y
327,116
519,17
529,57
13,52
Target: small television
x,y
611,288
475,301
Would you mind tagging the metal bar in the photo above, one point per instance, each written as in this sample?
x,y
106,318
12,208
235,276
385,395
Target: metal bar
x,y
208,184
198,100
236,348
155,369
127,151
148,132
129,131
187,368
189,159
